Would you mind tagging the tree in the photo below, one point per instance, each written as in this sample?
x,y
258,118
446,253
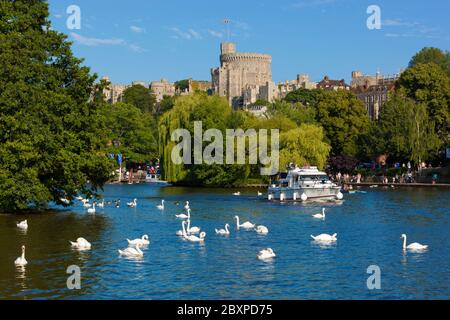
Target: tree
x,y
166,104
304,146
141,97
407,131
344,119
296,112
435,55
130,131
430,85
50,132
307,97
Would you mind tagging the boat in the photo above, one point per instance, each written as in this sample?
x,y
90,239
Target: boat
x,y
302,184
154,179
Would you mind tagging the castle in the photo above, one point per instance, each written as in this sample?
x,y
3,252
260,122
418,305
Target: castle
x,y
243,78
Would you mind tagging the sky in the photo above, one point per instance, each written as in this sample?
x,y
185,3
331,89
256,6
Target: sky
x,y
147,40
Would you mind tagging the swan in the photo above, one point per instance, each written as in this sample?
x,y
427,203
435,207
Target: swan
x,y
262,230
132,251
186,206
260,194
81,244
223,231
80,198
184,216
193,229
161,206
412,246
21,261
64,200
237,193
23,225
325,237
320,215
182,233
193,238
132,204
91,210
245,225
266,254
86,204
144,241
101,204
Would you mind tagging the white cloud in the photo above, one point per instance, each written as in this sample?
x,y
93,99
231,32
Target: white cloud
x,y
411,29
195,34
58,16
186,35
215,34
137,29
87,41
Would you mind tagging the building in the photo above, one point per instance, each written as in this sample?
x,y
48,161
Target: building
x,y
114,93
302,81
373,90
162,88
243,78
327,84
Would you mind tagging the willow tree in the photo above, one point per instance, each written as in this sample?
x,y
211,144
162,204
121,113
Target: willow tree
x,y
50,132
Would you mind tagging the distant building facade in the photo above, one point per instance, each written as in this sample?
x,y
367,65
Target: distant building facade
x,y
243,78
302,81
328,84
162,88
373,90
114,93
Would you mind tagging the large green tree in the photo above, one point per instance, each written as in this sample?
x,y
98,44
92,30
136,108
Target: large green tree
x,y
344,119
429,84
50,132
141,97
435,55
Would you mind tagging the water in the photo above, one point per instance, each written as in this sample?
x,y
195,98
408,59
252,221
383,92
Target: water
x,y
368,226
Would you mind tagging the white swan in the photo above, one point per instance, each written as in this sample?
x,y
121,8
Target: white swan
x,y
21,261
223,232
81,244
64,200
144,241
80,198
101,204
184,216
186,206
266,254
86,204
412,246
193,229
325,237
320,215
132,204
260,194
23,225
237,193
182,233
91,210
193,238
161,206
132,251
245,225
262,230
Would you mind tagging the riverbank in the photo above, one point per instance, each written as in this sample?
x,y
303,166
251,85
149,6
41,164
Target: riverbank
x,y
408,185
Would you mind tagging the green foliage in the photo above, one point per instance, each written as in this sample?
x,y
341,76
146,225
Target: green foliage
x,y
344,119
304,146
435,55
429,84
166,104
50,132
182,85
296,112
406,130
141,97
306,97
130,131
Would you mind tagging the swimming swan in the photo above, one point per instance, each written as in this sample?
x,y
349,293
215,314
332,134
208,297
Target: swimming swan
x,y
132,204
259,194
161,206
182,233
187,205
132,251
237,193
325,237
223,232
142,241
91,210
193,238
184,216
23,225
245,225
193,229
412,246
266,254
262,230
81,244
21,261
320,215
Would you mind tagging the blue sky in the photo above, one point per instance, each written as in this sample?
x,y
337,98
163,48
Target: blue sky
x,y
173,39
